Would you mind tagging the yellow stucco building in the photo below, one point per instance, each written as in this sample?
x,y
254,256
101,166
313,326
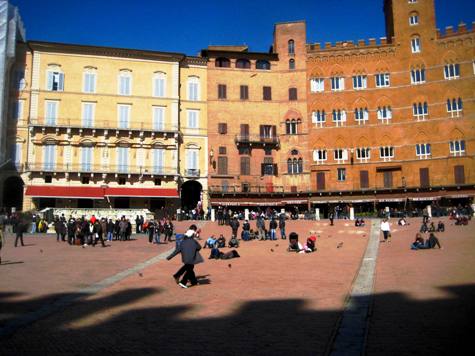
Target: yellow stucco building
x,y
109,127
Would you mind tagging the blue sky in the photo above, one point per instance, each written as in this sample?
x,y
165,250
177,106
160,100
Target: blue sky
x,y
188,26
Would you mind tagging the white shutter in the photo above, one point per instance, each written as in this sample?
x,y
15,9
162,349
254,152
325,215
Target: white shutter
x,y
158,118
315,155
345,154
51,112
342,83
365,114
343,115
158,160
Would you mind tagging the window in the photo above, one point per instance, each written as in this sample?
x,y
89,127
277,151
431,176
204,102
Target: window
x,y
319,117
158,118
386,153
414,19
123,116
86,158
341,174
20,81
320,155
420,111
221,91
363,154
291,64
222,165
266,93
338,83
423,150
193,117
317,85
418,75
415,45
385,114
55,80
291,47
292,93
88,111
457,147
223,128
244,92
125,82
245,166
244,132
16,154
268,168
339,117
359,82
291,127
361,115
459,174
89,81
411,1
193,88
192,158
49,157
243,63
159,85
222,150
452,71
158,160
18,109
340,155
294,166
454,107
267,132
222,62
122,159
382,80
262,64
51,112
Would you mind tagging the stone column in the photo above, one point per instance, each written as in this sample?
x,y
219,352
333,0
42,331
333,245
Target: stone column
x,y
352,213
213,215
246,214
317,214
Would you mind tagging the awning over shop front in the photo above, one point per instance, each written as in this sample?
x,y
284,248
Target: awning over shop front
x,y
74,192
65,192
141,192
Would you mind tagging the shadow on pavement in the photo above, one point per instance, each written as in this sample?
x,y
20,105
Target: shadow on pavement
x,y
399,326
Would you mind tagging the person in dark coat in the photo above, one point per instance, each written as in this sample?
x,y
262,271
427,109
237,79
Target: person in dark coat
x,y
234,223
190,256
19,229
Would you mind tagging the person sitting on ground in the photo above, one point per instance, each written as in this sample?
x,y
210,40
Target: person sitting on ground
x,y
233,242
218,255
418,242
294,245
252,235
210,242
402,221
431,227
440,226
357,222
310,246
423,228
221,241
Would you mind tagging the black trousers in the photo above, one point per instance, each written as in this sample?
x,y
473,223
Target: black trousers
x,y
19,237
100,238
189,272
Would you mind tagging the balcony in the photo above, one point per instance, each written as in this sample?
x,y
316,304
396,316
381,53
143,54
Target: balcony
x,y
257,189
102,169
256,140
80,124
192,172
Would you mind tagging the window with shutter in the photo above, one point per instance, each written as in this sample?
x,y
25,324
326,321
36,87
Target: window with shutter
x,y
245,166
222,150
267,93
222,128
364,179
244,91
221,91
292,93
424,177
222,165
459,173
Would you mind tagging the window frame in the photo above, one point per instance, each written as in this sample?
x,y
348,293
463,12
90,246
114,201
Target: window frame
x,y
423,150
386,153
457,147
321,155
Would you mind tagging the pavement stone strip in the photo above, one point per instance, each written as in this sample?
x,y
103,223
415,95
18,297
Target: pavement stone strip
x,y
355,295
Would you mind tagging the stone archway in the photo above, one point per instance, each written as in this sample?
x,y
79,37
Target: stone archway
x,y
13,192
190,194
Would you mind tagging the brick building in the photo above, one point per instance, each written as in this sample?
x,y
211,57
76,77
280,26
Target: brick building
x,y
257,123
392,122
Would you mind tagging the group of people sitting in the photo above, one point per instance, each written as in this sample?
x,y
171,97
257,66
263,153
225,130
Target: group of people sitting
x,y
216,243
296,246
430,227
421,244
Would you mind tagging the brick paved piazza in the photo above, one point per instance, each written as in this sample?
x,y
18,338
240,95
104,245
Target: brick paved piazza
x,y
267,302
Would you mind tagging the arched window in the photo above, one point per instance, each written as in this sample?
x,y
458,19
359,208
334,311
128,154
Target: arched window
x,y
243,63
416,44
413,18
294,166
263,64
292,64
291,47
223,62
291,126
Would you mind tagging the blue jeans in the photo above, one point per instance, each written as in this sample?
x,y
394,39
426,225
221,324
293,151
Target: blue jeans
x,y
245,235
157,238
273,234
282,232
109,236
33,228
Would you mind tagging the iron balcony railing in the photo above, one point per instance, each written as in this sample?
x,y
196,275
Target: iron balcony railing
x,y
256,140
97,168
145,125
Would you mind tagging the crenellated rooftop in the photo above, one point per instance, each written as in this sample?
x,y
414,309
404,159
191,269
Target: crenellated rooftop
x,y
346,45
451,32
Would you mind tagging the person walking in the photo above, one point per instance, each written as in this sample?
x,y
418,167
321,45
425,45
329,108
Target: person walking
x,y
272,228
282,226
19,229
189,250
331,217
386,229
261,227
234,223
1,240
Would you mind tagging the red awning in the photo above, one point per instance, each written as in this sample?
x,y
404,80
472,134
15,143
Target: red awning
x,y
51,191
141,192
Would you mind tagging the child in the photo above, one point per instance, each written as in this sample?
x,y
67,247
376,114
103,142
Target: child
x,y
294,245
310,245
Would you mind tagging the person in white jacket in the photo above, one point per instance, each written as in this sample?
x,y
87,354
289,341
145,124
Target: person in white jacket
x,y
386,229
